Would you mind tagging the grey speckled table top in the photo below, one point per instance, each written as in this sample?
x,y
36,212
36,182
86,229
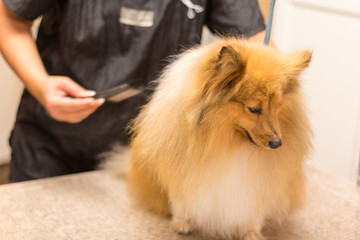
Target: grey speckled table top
x,y
95,205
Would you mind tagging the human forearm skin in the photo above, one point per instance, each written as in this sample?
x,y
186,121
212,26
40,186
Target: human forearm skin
x,y
19,50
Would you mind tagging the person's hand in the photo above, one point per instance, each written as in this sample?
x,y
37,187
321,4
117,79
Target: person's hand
x,y
259,37
65,100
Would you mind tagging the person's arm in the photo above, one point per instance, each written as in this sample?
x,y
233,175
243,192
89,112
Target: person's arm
x,y
259,37
19,50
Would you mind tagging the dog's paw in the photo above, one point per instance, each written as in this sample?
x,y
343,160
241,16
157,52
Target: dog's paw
x,y
182,226
252,236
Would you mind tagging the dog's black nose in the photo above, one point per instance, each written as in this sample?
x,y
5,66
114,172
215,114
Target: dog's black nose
x,y
275,144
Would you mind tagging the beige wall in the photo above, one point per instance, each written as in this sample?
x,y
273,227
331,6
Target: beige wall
x,y
10,92
332,83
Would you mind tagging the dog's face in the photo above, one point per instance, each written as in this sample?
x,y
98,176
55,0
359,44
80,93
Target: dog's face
x,y
259,120
256,83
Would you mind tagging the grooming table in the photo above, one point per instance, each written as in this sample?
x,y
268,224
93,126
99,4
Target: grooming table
x,y
95,205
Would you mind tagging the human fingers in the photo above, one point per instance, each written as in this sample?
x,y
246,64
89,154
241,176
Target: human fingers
x,y
68,104
76,115
68,87
65,100
75,105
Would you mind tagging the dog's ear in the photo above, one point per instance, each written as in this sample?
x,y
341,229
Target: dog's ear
x,y
229,68
295,64
298,61
228,54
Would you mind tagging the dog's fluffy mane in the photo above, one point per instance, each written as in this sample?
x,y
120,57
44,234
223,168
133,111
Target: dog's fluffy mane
x,y
188,124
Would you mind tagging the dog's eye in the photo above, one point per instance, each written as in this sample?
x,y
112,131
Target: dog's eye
x,y
254,110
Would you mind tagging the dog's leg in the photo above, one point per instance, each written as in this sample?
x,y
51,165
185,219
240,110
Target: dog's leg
x,y
180,222
252,235
253,230
181,225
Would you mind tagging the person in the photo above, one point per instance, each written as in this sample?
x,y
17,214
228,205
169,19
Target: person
x,y
85,46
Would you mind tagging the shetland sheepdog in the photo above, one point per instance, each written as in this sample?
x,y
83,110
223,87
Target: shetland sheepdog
x,y
221,144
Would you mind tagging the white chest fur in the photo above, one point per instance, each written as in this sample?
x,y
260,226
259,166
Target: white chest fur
x,y
226,199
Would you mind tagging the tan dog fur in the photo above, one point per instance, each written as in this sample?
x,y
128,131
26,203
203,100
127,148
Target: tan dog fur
x,y
200,148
